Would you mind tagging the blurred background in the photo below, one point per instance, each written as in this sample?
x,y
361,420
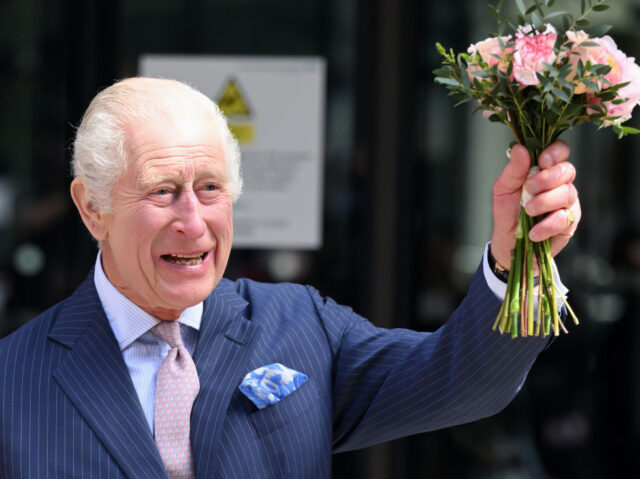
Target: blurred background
x,y
407,202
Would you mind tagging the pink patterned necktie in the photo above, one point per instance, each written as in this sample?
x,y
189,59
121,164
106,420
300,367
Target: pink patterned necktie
x,y
176,388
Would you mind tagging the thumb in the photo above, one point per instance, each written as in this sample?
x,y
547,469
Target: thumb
x,y
507,190
514,174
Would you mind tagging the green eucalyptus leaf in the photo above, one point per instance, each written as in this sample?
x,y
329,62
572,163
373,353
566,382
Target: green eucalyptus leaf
x,y
555,14
537,21
600,7
550,3
599,30
443,72
560,94
494,13
572,110
583,23
447,81
620,85
521,7
461,59
565,69
566,84
464,100
531,9
553,72
549,101
601,69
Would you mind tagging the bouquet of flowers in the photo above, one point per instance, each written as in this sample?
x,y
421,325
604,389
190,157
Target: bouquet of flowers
x,y
541,81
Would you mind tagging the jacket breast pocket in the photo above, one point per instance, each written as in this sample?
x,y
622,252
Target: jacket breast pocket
x,y
303,400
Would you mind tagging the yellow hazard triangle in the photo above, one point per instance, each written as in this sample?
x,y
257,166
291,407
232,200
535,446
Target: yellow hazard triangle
x,y
232,101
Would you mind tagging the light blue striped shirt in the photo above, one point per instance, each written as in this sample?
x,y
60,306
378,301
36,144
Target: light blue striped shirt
x,y
142,351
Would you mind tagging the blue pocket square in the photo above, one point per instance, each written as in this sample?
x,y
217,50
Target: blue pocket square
x,y
268,384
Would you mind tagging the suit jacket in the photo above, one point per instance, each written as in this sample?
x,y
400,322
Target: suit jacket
x,y
69,407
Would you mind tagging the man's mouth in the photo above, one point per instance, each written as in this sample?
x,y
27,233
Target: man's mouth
x,y
185,259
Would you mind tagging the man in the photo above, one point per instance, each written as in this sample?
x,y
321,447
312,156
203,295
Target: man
x,y
88,387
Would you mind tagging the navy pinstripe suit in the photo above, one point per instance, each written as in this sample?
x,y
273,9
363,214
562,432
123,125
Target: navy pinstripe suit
x,y
69,408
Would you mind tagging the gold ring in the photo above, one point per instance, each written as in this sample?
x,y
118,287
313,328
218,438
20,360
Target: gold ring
x,y
571,217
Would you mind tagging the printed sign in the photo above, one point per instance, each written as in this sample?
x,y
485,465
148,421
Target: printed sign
x,y
275,108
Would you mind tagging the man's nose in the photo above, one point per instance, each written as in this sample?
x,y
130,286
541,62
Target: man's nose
x,y
189,220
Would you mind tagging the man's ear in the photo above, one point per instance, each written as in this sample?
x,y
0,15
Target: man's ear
x,y
92,218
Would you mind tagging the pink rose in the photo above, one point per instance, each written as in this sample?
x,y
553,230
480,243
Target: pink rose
x,y
623,69
486,49
531,53
489,47
631,73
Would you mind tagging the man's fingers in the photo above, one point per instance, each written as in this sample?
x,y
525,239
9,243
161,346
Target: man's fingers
x,y
563,196
555,153
559,174
559,226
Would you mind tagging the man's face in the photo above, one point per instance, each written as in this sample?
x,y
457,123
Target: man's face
x,y
168,238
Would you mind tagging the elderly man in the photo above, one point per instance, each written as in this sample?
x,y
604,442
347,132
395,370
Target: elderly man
x,y
146,370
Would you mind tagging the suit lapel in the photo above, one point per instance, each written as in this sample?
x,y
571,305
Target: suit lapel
x,y
95,378
220,357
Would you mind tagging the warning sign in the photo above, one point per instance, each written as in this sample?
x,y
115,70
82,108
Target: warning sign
x,y
275,109
231,100
233,103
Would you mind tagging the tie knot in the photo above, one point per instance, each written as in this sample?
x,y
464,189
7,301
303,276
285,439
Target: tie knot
x,y
168,331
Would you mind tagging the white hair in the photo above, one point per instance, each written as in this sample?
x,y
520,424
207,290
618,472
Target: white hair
x,y
100,150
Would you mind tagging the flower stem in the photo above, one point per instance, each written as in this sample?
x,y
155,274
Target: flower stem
x,y
530,285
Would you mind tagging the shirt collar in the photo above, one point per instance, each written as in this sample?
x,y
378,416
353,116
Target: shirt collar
x,y
127,320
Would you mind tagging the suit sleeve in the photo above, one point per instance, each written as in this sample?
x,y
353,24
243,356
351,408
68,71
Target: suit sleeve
x,y
394,383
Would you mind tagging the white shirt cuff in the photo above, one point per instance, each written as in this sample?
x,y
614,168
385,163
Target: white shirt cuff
x,y
499,288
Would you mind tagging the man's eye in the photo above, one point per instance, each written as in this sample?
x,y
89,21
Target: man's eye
x,y
210,187
162,191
